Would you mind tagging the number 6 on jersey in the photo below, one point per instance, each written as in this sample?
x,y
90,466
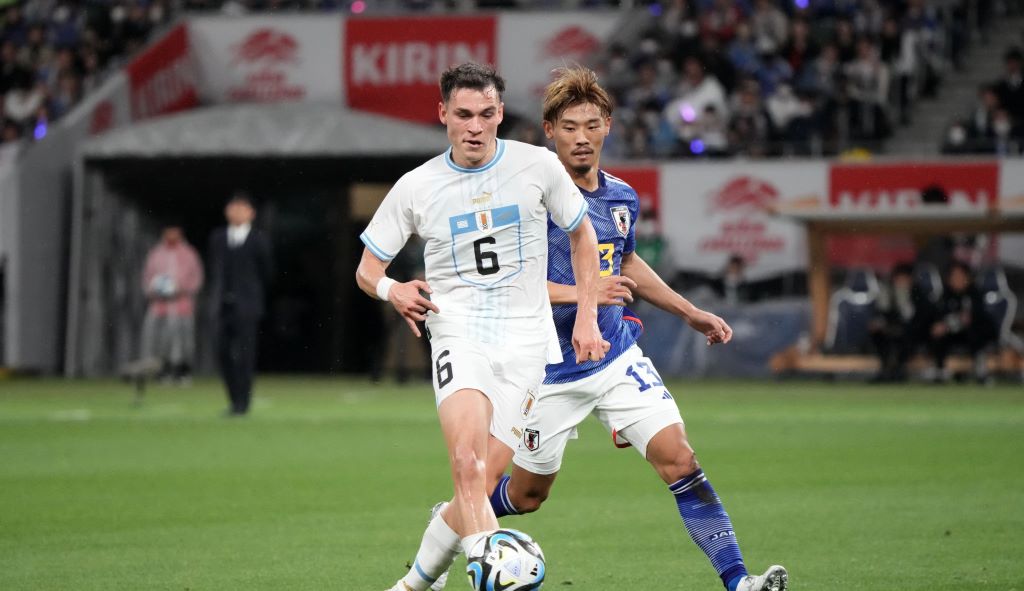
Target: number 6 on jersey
x,y
486,245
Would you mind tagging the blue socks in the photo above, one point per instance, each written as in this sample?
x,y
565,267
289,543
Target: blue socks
x,y
709,526
499,499
702,513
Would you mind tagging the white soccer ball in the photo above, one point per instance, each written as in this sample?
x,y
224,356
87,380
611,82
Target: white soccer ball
x,y
508,560
163,285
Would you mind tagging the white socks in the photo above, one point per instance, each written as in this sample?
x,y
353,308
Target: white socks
x,y
469,541
438,549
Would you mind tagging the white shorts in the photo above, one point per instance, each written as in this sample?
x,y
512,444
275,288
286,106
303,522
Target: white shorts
x,y
509,376
627,396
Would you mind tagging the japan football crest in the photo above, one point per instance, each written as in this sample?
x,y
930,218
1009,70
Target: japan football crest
x,y
531,438
620,215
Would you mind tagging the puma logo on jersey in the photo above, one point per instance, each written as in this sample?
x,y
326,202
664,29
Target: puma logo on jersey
x,y
482,199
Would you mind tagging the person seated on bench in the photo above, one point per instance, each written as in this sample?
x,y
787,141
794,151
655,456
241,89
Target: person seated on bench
x,y
899,325
961,321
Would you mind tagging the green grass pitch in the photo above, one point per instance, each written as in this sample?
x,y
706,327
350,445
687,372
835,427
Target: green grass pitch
x,y
329,483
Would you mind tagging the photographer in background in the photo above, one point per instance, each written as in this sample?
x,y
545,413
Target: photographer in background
x,y
172,277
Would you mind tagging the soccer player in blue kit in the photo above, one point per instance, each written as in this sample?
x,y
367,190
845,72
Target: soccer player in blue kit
x,y
623,390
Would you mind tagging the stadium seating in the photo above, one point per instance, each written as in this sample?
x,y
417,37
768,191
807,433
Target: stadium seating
x,y
1001,305
850,311
54,53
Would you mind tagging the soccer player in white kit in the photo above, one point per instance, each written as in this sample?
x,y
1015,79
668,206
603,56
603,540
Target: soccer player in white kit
x,y
482,208
623,390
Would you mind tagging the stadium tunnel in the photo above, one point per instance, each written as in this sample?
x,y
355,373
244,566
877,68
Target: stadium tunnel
x,y
316,173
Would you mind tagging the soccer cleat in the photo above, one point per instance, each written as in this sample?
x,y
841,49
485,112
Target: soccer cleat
x,y
774,579
442,579
399,586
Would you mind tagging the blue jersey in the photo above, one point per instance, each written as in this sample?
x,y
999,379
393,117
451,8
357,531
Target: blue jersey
x,y
613,210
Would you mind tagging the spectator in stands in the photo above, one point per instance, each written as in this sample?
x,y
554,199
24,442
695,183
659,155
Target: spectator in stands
x,y
845,41
980,127
11,70
750,128
800,49
696,92
899,325
172,278
680,28
24,99
36,50
961,321
821,76
774,73
924,23
721,20
898,49
742,51
62,48
1008,138
648,90
716,62
1010,88
868,90
790,115
769,26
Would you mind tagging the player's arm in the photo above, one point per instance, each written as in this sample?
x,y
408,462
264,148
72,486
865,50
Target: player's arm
x,y
649,286
614,290
586,336
371,276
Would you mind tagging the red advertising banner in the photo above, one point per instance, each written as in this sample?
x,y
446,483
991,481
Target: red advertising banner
x,y
391,65
163,80
645,181
905,187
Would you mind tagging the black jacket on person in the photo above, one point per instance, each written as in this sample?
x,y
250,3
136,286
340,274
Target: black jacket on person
x,y
238,276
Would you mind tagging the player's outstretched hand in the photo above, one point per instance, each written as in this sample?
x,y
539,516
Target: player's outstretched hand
x,y
410,303
615,290
587,341
714,328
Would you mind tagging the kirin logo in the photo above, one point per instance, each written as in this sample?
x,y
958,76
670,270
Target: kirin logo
x,y
267,45
572,41
745,193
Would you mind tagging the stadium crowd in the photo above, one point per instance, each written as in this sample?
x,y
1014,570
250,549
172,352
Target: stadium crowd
x,y
995,125
763,77
55,51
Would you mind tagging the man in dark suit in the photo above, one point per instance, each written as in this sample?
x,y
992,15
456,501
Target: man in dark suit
x,y
240,269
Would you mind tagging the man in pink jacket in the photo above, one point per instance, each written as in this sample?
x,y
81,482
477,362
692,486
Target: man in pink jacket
x,y
171,280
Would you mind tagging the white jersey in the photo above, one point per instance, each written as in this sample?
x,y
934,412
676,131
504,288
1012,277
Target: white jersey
x,y
486,238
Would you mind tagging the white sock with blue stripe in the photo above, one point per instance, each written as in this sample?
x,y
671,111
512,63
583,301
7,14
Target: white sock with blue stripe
x,y
438,549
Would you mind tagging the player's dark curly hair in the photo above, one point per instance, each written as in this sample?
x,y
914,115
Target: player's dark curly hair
x,y
571,87
470,75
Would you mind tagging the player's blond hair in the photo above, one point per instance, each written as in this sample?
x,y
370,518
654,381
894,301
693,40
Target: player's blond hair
x,y
574,86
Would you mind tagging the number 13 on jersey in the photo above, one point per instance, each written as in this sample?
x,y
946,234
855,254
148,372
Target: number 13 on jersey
x,y
486,245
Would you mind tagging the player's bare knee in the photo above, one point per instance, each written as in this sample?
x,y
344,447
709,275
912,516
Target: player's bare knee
x,y
530,499
680,463
468,468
